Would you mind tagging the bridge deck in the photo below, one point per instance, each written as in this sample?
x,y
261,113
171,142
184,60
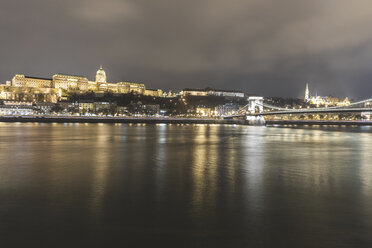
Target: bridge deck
x,y
313,111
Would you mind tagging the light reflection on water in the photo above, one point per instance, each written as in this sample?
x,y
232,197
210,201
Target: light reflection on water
x,y
185,185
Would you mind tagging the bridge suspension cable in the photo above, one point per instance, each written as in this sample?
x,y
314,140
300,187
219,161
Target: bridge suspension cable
x,y
271,106
304,110
242,108
363,101
335,107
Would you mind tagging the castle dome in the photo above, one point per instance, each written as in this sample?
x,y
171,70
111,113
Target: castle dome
x,y
101,76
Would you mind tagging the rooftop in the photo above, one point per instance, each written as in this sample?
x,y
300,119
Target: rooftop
x,y
63,74
38,78
210,89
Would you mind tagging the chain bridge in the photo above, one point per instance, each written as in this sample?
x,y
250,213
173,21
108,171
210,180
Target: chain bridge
x,y
256,109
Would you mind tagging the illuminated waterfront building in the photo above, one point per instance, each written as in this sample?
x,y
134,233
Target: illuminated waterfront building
x,y
26,81
211,92
101,84
45,107
52,89
16,110
121,87
194,92
86,106
151,109
31,94
225,93
169,94
103,106
227,109
204,111
70,83
134,87
324,100
92,86
154,93
328,101
101,76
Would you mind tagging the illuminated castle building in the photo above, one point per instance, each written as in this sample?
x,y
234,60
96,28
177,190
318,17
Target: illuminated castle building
x,y
101,76
212,92
70,83
101,85
324,100
51,89
23,81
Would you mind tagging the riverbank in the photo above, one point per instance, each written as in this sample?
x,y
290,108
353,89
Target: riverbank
x,y
156,120
96,119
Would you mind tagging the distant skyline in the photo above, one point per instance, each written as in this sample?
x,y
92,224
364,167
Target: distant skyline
x,y
268,47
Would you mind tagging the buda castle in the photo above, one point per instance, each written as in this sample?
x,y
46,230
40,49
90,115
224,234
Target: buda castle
x,y
52,89
70,83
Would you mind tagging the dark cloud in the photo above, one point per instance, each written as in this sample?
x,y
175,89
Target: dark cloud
x,y
265,46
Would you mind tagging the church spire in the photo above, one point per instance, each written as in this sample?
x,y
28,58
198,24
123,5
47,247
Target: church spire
x,y
307,93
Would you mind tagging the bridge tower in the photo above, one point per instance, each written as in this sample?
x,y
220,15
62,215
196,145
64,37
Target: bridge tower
x,y
255,104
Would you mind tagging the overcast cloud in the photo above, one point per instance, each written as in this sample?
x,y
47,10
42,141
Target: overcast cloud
x,y
268,47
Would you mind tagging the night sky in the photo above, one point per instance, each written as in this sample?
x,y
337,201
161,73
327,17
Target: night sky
x,y
268,47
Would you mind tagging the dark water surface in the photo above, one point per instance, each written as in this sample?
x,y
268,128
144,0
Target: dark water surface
x,y
103,185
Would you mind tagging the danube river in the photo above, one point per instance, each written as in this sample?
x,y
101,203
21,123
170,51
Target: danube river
x,y
107,185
